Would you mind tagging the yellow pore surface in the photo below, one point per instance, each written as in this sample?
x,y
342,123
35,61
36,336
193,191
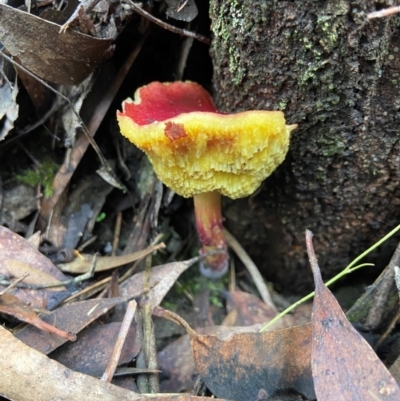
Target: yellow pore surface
x,y
232,153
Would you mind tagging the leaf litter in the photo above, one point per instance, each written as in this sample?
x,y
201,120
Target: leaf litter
x,y
234,360
344,365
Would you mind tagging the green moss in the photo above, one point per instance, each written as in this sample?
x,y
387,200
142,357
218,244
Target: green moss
x,y
282,105
317,53
328,27
41,175
230,23
331,146
192,282
320,176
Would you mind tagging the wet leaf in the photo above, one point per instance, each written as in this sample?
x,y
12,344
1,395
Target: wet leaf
x,y
344,366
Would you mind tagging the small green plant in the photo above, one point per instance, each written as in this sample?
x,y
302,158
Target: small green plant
x,y
101,217
349,269
42,174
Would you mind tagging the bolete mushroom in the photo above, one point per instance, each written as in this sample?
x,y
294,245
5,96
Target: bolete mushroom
x,y
200,152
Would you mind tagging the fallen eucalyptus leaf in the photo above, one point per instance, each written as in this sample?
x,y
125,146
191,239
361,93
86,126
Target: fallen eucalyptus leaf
x,y
65,59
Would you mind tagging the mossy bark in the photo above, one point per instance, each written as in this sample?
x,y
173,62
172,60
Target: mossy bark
x,y
336,74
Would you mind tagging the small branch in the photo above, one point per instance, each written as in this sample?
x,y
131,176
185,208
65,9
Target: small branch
x,y
88,136
310,251
251,267
13,284
169,27
123,332
384,13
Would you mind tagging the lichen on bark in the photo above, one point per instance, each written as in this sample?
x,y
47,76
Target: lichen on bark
x,y
336,74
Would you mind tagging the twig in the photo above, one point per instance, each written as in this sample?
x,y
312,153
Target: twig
x,y
53,109
117,231
384,13
184,54
377,309
397,316
173,317
142,380
90,139
387,331
251,267
311,253
123,332
149,343
14,284
150,348
169,27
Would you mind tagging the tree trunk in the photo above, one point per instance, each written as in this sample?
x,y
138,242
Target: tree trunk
x,y
336,74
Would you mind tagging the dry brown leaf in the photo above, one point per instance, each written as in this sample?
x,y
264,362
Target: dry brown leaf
x,y
12,306
176,359
17,268
26,372
91,353
177,365
17,257
161,279
73,318
247,309
8,107
344,366
83,263
237,368
237,365
65,58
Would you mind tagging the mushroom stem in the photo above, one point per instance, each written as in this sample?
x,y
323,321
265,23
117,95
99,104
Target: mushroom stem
x,y
207,207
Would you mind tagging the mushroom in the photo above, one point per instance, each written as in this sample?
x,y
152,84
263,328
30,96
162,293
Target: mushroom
x,y
202,153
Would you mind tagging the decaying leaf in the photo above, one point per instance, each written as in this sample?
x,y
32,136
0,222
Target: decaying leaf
x,y
247,309
176,359
63,59
24,369
11,305
182,10
82,264
91,352
17,268
161,279
18,203
344,366
236,365
72,318
18,257
8,107
177,366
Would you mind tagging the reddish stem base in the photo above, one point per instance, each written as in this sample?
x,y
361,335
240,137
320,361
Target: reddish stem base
x,y
207,207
